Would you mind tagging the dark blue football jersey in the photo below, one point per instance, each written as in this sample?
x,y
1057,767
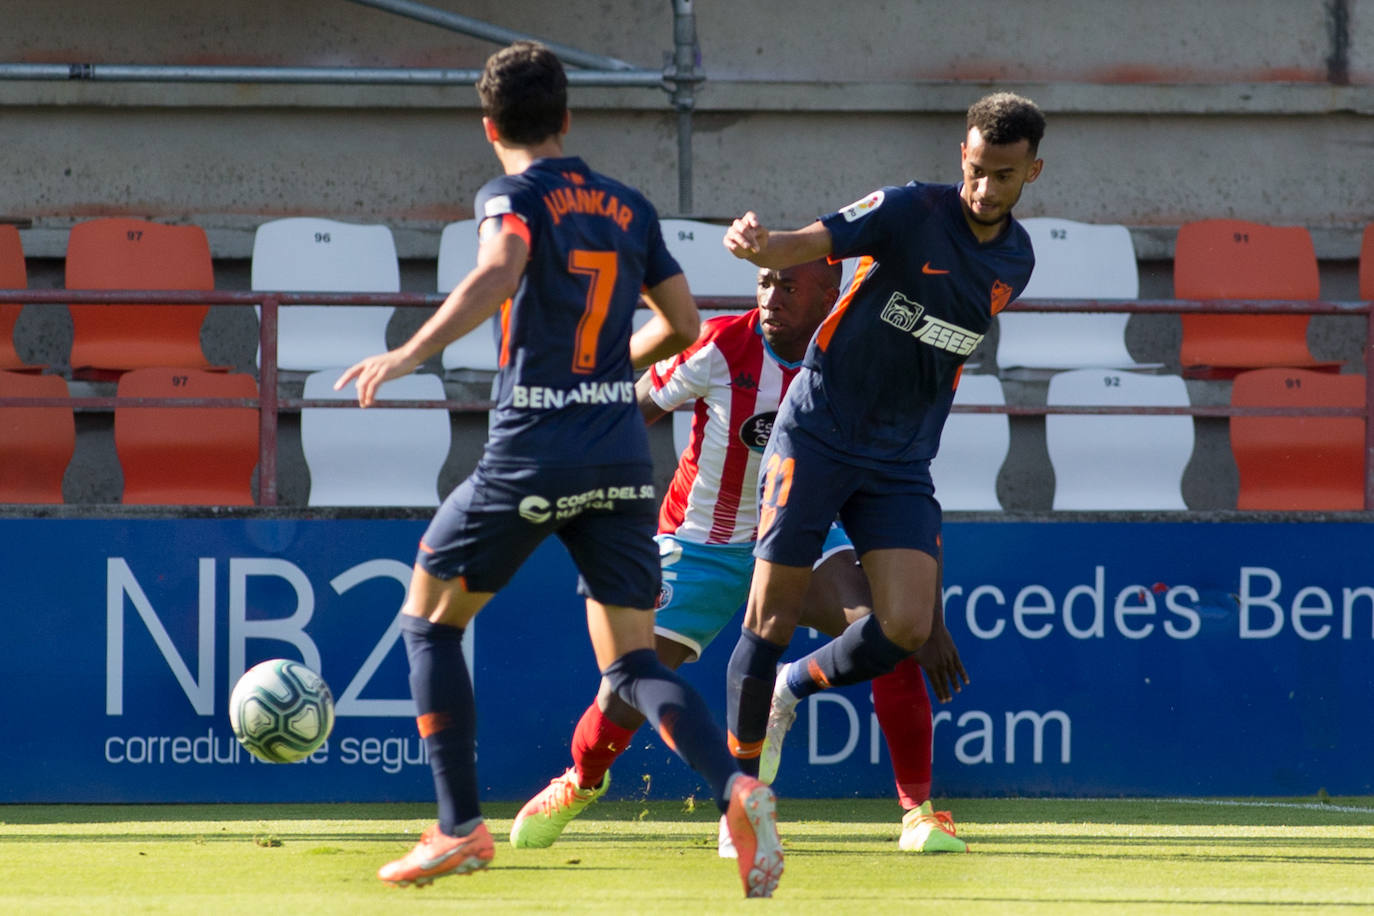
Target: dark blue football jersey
x,y
565,386
884,364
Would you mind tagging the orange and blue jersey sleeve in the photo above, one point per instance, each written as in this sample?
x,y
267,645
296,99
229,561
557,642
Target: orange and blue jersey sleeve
x,y
867,226
502,206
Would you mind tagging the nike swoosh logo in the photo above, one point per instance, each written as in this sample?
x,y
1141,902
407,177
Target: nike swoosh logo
x,y
927,269
440,859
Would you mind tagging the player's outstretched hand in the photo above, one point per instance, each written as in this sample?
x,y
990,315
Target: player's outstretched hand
x,y
746,236
940,659
371,372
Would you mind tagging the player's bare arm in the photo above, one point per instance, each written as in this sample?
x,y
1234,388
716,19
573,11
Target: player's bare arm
x,y
500,263
647,406
748,238
673,327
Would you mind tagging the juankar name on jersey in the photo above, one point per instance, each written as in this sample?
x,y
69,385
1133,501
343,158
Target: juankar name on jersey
x,y
737,382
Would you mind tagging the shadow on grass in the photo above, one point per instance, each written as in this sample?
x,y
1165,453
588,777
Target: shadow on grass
x,y
796,812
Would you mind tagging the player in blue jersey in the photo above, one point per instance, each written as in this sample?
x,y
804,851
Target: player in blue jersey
x,y
857,429
733,378
564,255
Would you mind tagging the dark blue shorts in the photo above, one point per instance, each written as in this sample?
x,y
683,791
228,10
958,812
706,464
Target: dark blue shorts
x,y
806,485
606,517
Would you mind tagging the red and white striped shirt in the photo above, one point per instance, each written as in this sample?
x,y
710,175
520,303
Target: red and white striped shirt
x,y
737,382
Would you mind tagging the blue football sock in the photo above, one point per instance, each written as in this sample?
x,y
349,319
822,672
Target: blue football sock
x,y
861,653
748,695
678,713
447,718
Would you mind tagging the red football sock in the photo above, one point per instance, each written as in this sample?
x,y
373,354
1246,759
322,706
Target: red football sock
x,y
595,745
903,708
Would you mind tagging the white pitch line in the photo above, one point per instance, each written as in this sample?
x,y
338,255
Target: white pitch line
x,y
1223,803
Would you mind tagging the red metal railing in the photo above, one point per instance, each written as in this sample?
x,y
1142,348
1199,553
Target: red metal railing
x,y
270,404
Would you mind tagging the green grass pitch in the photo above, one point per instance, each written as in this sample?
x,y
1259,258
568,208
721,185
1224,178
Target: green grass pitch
x,y
1027,856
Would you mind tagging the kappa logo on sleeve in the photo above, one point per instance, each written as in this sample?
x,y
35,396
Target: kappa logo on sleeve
x,y
862,207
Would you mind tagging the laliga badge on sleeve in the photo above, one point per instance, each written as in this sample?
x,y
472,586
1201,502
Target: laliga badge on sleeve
x,y
862,207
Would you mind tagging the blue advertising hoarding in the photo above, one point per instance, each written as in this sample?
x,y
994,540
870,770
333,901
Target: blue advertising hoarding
x,y
1133,658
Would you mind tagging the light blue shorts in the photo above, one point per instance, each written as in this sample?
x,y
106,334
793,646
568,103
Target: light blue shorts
x,y
705,585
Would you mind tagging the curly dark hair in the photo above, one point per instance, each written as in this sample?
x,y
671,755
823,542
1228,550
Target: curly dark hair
x,y
1005,117
524,91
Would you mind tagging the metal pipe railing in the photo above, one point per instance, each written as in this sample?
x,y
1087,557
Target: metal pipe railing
x,y
270,404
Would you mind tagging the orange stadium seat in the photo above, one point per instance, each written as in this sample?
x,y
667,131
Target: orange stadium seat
x,y
1299,462
1367,263
1233,259
122,253
12,276
183,456
36,443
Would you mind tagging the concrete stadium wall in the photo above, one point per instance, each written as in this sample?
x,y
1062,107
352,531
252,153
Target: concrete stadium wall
x,y
1159,114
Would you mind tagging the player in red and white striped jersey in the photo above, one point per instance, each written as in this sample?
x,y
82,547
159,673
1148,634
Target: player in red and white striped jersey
x,y
734,377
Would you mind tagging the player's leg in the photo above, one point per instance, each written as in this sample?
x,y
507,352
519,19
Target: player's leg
x,y
840,596
680,716
894,521
602,734
901,702
606,727
433,620
837,595
472,547
902,612
620,578
703,586
770,618
902,705
895,524
801,490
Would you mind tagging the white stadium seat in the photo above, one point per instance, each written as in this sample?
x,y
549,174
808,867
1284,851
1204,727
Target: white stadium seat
x,y
322,255
372,457
972,448
1118,461
1072,261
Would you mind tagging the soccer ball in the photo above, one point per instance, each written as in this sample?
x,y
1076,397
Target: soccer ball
x,y
281,711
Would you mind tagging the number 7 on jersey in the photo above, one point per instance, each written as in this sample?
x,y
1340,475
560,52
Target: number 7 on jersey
x,y
600,268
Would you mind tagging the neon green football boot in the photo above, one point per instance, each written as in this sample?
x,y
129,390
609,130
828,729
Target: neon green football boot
x,y
927,830
543,817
